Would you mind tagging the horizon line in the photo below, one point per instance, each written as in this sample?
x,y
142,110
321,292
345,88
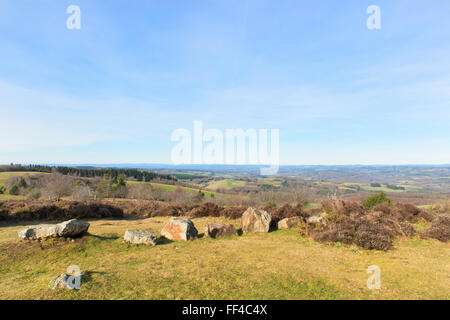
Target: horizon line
x,y
221,164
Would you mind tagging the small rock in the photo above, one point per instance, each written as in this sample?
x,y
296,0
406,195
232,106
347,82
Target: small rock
x,y
179,229
59,282
289,223
140,237
217,230
318,219
66,281
254,220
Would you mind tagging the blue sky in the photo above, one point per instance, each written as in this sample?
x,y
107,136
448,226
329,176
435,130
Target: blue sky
x,y
113,91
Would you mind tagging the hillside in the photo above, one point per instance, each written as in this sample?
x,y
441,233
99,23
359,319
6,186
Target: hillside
x,y
277,265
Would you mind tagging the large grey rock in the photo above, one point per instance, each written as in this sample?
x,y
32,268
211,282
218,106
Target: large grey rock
x,y
254,220
39,231
179,229
289,223
72,228
217,230
140,237
69,228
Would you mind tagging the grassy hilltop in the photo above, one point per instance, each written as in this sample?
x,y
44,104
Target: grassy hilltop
x,y
277,265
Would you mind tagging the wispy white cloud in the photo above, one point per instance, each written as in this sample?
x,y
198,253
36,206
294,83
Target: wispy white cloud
x,y
34,119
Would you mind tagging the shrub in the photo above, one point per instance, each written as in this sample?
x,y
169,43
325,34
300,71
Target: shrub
x,y
271,204
33,195
22,183
206,210
341,208
14,190
348,222
375,185
440,229
376,199
199,196
286,211
2,190
412,213
394,187
234,212
443,207
60,211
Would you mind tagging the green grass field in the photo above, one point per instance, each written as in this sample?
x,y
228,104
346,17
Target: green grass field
x,y
383,188
4,176
169,187
225,184
277,265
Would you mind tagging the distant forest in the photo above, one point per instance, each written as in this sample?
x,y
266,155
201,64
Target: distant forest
x,y
91,172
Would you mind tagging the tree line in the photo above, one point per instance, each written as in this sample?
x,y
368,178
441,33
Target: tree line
x,y
91,172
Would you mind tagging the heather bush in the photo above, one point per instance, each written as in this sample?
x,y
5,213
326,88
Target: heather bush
x,y
439,208
348,222
412,213
20,210
286,211
14,190
440,229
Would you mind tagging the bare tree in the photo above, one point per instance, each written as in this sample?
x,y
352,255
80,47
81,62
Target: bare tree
x,y
82,193
57,186
140,191
178,195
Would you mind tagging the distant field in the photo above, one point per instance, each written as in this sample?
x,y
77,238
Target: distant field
x,y
4,176
4,197
229,184
276,182
416,190
169,187
276,265
384,188
225,184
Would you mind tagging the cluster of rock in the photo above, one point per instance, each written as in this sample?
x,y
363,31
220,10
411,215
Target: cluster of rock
x,y
252,220
71,228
